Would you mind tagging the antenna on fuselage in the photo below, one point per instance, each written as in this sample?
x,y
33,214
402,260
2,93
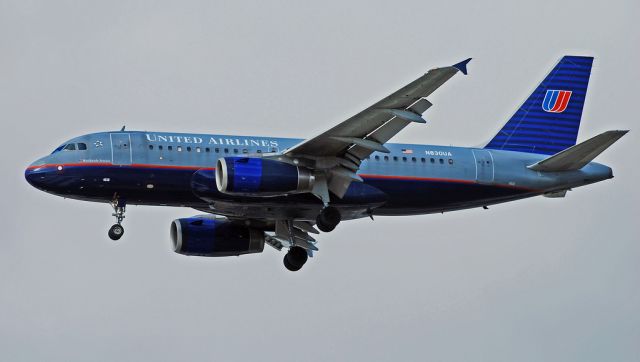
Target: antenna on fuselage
x,y
122,129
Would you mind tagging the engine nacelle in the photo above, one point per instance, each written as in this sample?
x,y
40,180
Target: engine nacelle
x,y
201,236
261,177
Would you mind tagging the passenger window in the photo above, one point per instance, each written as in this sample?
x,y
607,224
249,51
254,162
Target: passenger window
x,y
70,147
377,158
179,148
404,159
169,148
386,158
197,149
259,151
207,149
273,150
235,150
441,161
423,159
226,150
188,148
217,150
160,147
395,158
82,146
451,161
433,160
150,147
245,151
413,159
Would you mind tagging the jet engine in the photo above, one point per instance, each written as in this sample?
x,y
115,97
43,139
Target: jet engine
x,y
261,177
202,236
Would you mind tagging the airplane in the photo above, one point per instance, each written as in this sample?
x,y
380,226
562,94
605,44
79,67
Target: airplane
x,y
256,190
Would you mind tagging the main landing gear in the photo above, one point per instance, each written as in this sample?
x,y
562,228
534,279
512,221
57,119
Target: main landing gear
x,y
328,219
295,258
119,206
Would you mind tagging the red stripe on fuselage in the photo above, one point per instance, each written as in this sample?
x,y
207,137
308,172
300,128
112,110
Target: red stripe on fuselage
x,y
416,178
141,165
195,168
133,165
433,179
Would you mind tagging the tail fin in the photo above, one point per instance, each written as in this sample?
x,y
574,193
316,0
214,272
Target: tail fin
x,y
576,157
548,121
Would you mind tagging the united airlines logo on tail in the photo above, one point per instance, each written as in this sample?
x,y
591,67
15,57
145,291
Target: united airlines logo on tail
x,y
556,101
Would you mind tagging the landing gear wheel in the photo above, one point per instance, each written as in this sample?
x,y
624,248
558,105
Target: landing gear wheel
x,y
295,259
116,232
290,266
328,219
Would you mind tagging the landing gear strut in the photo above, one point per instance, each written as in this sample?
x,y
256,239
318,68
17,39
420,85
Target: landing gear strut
x,y
119,206
295,258
328,219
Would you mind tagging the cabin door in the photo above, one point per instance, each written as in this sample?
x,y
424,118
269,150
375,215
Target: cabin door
x,y
484,166
121,148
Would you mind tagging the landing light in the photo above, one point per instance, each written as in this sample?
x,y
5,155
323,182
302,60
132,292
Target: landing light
x,y
59,168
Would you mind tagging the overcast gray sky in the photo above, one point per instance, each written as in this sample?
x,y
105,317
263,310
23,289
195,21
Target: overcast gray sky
x,y
538,279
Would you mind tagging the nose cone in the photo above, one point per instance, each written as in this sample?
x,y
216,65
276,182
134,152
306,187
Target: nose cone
x,y
36,173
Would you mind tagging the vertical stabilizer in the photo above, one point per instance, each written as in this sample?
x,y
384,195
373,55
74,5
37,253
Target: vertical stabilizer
x,y
548,121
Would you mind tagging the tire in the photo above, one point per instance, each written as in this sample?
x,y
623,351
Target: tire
x,y
324,227
328,219
289,266
295,259
116,232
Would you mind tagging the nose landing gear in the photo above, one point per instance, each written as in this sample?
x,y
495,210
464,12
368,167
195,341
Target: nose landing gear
x,y
119,206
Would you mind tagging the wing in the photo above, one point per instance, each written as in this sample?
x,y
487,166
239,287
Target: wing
x,y
340,150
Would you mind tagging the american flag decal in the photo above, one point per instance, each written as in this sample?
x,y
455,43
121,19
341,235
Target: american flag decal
x,y
407,151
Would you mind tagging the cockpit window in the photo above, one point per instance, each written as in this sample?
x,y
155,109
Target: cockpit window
x,y
58,149
71,147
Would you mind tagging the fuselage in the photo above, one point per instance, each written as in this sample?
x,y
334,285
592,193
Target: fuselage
x,y
156,168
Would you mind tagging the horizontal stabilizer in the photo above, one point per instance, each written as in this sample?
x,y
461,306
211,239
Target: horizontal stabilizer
x,y
576,157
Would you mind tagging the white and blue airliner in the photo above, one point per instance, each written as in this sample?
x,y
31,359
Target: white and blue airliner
x,y
254,191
